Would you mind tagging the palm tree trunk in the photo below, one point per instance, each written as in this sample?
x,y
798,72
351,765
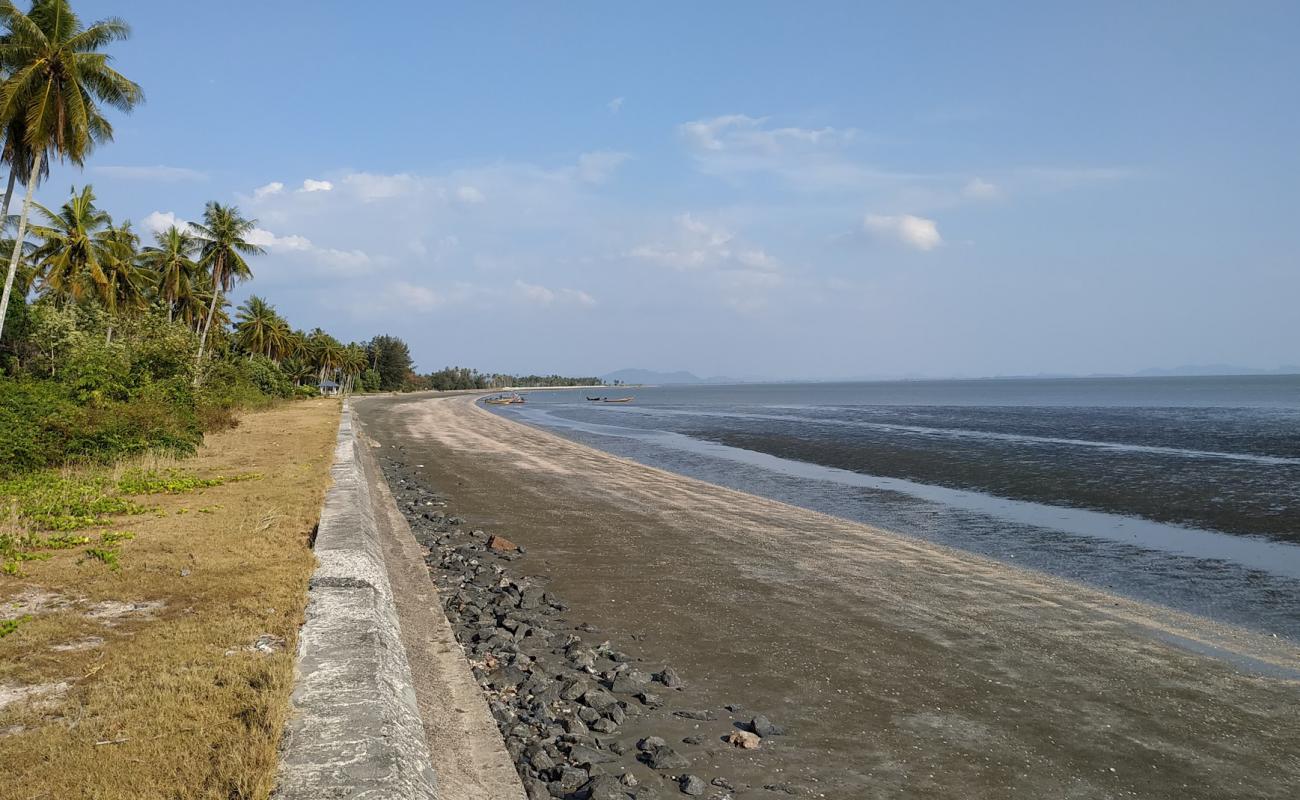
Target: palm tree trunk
x,y
212,309
22,234
9,193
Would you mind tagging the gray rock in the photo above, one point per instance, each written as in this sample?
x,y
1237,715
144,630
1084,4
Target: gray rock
x,y
586,756
542,761
573,690
669,677
650,699
568,781
630,682
598,699
701,714
603,787
650,743
664,757
691,785
764,727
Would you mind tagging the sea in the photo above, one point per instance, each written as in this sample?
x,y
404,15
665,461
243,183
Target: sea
x,y
1181,491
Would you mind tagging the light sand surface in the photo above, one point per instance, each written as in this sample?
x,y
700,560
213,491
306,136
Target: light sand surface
x,y
901,668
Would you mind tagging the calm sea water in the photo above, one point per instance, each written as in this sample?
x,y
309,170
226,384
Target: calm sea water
x,y
1181,491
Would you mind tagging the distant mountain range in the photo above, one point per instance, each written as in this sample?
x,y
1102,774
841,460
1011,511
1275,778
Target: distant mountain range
x,y
649,376
1217,369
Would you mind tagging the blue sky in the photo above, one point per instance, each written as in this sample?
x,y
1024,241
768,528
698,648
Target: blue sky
x,y
745,188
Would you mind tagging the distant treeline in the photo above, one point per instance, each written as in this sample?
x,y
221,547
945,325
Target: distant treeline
x,y
451,378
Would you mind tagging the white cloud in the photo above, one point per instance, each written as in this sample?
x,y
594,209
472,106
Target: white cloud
x,y
312,185
539,295
916,232
980,189
370,187
711,234
757,260
333,260
704,134
409,295
599,166
343,260
159,221
272,188
743,275
470,195
615,105
542,296
154,173
264,238
697,244
735,145
740,133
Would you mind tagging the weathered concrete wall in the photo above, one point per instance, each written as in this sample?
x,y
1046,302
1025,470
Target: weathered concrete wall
x,y
469,755
355,731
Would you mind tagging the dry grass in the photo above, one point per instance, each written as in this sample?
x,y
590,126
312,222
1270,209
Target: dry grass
x,y
142,682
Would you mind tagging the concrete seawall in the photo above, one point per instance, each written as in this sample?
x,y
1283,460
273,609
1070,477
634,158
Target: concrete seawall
x,y
355,729
385,705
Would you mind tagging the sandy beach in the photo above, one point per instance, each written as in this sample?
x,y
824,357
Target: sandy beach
x,y
898,667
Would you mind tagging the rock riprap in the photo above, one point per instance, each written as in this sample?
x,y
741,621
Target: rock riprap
x,y
582,718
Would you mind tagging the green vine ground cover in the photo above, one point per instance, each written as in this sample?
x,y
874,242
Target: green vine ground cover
x,y
44,508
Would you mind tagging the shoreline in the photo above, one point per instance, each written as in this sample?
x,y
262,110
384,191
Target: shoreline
x,y
836,628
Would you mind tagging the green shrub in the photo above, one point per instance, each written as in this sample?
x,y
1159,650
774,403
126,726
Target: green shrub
x,y
96,371
43,425
32,417
267,376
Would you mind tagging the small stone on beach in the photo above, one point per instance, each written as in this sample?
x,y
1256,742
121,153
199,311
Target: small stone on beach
x,y
691,785
744,740
501,544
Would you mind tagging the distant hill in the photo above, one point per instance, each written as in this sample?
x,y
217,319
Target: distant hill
x,y
653,377
1215,369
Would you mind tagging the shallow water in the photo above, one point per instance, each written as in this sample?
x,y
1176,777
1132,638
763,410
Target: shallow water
x,y
1178,491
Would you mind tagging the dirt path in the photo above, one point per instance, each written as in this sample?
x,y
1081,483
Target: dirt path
x,y
901,668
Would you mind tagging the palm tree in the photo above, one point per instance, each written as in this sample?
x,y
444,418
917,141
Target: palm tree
x,y
74,248
125,288
298,369
326,353
255,326
354,362
171,259
281,342
192,307
57,76
224,237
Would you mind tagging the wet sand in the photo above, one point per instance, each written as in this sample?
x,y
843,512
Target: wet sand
x,y
900,668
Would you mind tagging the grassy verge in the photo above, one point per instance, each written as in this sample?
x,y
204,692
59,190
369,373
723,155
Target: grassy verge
x,y
148,615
